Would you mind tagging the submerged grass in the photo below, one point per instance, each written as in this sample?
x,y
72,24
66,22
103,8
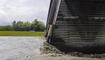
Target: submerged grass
x,y
21,33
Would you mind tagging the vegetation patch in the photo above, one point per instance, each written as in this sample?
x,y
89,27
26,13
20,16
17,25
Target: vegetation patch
x,y
21,33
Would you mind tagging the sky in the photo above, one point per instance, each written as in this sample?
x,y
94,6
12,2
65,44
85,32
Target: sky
x,y
23,10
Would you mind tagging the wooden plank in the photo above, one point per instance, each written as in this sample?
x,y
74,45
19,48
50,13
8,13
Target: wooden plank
x,y
50,30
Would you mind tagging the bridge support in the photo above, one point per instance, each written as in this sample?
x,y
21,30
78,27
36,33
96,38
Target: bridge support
x,y
77,25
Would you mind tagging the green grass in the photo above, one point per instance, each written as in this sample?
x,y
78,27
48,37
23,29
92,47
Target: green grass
x,y
21,33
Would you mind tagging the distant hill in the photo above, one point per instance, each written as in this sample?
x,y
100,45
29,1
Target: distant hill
x,y
1,26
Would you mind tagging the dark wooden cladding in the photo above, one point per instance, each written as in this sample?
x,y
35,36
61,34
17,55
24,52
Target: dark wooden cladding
x,y
79,24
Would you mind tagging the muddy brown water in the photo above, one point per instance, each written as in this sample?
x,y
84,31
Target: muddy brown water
x,y
28,48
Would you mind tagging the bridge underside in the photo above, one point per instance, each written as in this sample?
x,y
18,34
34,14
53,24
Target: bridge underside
x,y
79,25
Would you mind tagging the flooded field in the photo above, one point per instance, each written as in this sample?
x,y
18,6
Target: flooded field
x,y
28,48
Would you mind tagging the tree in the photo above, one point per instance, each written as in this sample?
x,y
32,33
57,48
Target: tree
x,y
41,26
19,26
27,26
14,25
34,25
8,28
2,29
24,26
38,25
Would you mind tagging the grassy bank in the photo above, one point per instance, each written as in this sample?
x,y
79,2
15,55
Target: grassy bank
x,y
21,33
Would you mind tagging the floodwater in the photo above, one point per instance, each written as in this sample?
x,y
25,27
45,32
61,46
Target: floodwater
x,y
28,48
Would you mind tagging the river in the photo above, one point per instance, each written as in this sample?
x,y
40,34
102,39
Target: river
x,y
28,48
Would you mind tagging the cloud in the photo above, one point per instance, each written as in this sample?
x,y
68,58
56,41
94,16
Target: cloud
x,y
2,13
25,10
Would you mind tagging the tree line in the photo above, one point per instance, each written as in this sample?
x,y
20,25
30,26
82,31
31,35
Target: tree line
x,y
24,26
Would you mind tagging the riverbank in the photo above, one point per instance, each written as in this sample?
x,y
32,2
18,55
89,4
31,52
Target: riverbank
x,y
28,48
21,33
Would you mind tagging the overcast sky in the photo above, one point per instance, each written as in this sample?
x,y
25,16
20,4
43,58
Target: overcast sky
x,y
23,10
